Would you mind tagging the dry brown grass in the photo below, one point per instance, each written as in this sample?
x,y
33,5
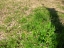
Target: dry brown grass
x,y
9,8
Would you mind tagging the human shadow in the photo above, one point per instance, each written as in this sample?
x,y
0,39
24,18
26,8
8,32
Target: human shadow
x,y
59,28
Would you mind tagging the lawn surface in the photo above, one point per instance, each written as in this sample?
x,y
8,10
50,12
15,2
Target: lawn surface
x,y
31,24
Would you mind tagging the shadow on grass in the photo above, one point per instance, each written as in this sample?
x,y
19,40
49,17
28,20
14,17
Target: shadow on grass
x,y
59,28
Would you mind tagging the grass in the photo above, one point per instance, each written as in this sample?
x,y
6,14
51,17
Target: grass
x,y
27,31
39,27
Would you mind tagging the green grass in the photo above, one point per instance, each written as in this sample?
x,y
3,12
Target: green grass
x,y
37,31
40,32
29,31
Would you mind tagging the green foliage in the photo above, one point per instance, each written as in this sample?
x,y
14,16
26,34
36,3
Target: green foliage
x,y
23,20
40,30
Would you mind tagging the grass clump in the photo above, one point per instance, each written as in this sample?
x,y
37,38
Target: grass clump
x,y
40,31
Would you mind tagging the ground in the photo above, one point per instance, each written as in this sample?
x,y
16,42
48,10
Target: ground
x,y
9,10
